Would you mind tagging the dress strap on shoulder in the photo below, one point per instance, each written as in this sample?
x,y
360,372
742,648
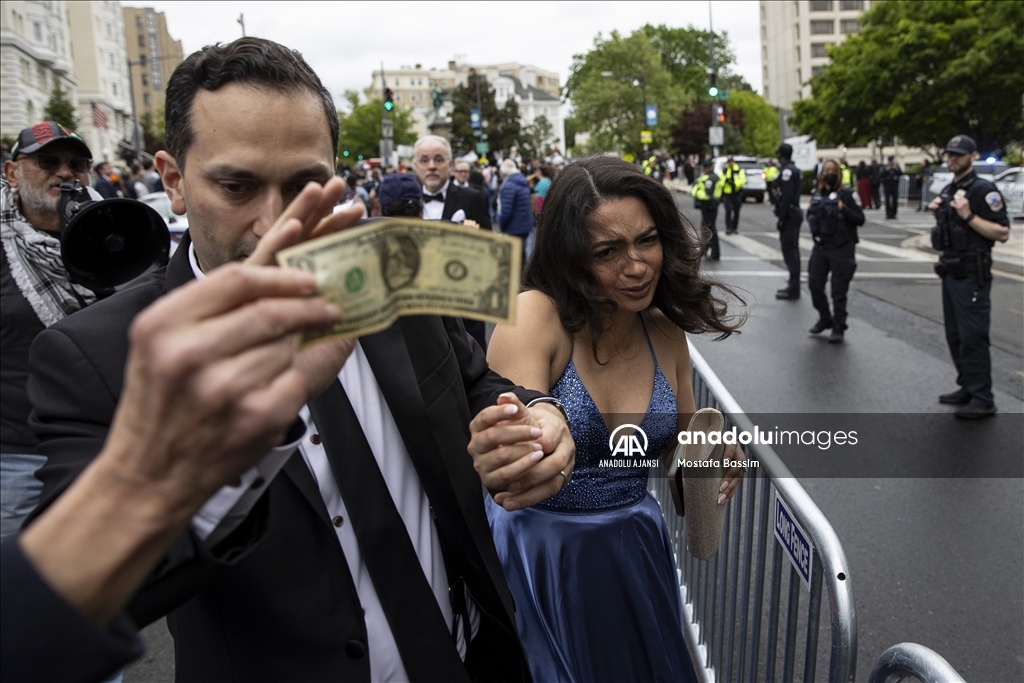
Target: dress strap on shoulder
x,y
648,337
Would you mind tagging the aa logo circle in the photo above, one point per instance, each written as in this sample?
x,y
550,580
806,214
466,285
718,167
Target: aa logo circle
x,y
628,445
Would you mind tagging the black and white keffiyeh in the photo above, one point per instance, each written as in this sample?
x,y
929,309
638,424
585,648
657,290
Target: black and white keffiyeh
x,y
36,264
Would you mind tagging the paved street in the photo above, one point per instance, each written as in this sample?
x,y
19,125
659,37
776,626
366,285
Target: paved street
x,y
936,560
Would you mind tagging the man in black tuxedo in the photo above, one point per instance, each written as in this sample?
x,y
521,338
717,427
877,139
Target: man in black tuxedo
x,y
369,556
444,200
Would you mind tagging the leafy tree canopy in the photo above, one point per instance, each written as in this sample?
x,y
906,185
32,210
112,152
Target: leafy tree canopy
x,y
610,106
360,129
537,138
923,72
760,133
60,108
686,53
503,128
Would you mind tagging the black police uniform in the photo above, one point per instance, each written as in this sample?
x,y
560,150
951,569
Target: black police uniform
x,y
965,267
835,233
786,189
891,183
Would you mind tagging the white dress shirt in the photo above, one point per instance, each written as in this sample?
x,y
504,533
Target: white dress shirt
x,y
432,210
229,507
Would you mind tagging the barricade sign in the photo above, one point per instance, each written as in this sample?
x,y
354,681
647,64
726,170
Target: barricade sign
x,y
794,539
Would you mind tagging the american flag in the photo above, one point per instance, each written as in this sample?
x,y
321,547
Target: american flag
x,y
99,117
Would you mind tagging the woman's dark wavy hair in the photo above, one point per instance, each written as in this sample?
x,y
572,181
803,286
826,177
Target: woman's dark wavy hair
x,y
561,263
255,62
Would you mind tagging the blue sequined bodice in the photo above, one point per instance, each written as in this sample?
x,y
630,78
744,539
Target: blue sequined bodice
x,y
600,480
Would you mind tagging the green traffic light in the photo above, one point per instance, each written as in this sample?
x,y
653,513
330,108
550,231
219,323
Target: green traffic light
x,y
389,105
345,153
713,91
360,157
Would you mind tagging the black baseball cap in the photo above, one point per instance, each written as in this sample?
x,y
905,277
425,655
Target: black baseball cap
x,y
34,138
708,162
961,144
785,149
399,186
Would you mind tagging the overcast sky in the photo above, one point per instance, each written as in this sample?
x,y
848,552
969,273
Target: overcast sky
x,y
345,42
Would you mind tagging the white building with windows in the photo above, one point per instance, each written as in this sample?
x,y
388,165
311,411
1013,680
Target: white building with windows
x,y
535,90
35,53
795,37
101,64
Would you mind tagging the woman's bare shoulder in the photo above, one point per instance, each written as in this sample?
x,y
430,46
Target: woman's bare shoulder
x,y
536,337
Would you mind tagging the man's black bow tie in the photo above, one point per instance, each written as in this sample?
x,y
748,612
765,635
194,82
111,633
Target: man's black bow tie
x,y
439,197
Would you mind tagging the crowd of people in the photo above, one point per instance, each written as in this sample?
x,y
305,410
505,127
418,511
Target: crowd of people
x,y
414,504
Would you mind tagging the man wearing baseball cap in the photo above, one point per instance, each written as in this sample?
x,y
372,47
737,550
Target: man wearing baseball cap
x,y
34,293
970,216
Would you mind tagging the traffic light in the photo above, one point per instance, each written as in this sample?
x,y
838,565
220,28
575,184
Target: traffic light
x,y
344,153
389,99
713,90
721,113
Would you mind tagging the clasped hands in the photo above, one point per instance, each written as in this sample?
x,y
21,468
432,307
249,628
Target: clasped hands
x,y
523,455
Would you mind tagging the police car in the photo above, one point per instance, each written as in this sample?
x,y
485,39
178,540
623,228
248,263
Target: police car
x,y
1011,184
756,186
984,169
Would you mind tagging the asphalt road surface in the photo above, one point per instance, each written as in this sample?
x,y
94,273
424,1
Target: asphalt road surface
x,y
935,558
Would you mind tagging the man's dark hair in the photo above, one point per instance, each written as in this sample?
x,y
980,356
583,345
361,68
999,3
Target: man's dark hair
x,y
254,62
561,262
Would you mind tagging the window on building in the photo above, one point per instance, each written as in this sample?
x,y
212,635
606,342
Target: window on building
x,y
142,40
145,80
796,8
113,89
146,99
798,54
821,5
849,26
110,59
37,31
815,70
848,5
827,27
138,22
819,49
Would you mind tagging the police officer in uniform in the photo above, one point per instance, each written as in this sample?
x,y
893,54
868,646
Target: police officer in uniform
x,y
786,198
707,192
833,217
970,216
734,178
891,183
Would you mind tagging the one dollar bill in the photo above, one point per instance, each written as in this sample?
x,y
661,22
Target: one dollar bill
x,y
404,266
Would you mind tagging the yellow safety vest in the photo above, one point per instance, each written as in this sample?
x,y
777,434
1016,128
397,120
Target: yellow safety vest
x,y
738,176
700,188
847,176
771,173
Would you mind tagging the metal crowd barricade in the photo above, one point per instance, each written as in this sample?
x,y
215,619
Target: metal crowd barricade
x,y
911,659
736,578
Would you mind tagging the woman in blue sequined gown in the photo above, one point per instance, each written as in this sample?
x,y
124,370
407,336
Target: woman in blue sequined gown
x,y
612,288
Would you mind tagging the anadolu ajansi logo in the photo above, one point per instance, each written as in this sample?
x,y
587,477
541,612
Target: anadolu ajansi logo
x,y
628,450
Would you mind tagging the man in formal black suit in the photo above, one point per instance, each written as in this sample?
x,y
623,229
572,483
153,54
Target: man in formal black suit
x,y
369,557
444,200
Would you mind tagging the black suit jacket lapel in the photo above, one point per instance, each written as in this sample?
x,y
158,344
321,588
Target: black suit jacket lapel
x,y
451,202
179,269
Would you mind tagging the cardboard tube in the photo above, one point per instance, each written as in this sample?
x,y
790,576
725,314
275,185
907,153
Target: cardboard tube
x,y
704,516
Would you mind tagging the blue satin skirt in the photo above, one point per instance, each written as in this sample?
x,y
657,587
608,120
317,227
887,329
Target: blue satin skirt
x,y
596,593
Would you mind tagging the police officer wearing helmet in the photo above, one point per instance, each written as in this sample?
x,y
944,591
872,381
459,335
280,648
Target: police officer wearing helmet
x,y
834,217
786,198
970,216
707,193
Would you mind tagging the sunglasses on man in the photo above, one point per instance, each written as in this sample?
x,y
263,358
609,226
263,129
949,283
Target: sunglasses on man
x,y
52,163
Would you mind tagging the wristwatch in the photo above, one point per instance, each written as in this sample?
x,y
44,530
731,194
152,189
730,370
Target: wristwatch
x,y
556,403
970,218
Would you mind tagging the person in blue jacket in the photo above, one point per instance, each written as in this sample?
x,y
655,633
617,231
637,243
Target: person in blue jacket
x,y
515,215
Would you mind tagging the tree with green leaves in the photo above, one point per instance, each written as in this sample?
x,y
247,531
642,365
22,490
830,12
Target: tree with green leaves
x,y
153,131
923,72
535,140
686,52
360,129
609,85
503,128
60,108
760,130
